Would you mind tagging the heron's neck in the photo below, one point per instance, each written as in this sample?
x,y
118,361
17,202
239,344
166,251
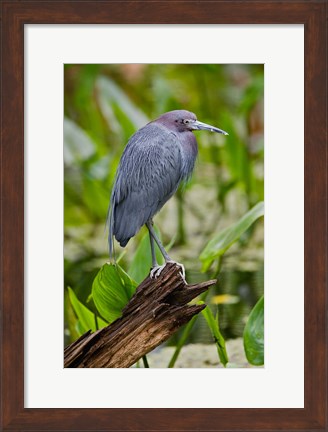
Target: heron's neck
x,y
189,152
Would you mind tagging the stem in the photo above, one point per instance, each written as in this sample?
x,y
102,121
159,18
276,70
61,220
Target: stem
x,y
185,335
182,341
218,268
96,321
145,361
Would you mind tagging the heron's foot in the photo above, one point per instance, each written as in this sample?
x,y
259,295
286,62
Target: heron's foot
x,y
182,272
156,271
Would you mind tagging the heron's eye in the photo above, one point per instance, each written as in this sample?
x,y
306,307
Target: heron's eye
x,y
185,121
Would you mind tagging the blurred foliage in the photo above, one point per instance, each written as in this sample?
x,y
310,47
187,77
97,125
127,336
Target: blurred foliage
x,y
103,106
218,245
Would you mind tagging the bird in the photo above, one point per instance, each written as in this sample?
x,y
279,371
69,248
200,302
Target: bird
x,y
156,159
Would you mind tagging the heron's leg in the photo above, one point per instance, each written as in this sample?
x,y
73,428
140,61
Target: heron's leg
x,y
156,271
154,263
157,240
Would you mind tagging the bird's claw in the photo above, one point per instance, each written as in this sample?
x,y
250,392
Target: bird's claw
x,y
156,271
182,273
183,277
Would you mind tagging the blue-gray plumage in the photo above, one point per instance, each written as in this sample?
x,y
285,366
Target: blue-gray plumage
x,y
154,162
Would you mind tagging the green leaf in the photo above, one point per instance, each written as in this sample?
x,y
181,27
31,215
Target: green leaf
x,y
87,319
213,323
71,319
254,335
93,192
141,263
216,247
112,288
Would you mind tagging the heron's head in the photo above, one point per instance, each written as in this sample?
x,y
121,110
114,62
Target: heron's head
x,y
183,121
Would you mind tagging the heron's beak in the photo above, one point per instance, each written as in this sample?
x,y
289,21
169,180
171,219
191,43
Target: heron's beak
x,y
197,125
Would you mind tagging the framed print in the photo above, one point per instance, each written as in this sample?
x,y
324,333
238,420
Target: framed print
x,y
39,38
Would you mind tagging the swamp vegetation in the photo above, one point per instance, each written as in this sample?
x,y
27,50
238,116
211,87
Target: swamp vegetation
x,y
214,224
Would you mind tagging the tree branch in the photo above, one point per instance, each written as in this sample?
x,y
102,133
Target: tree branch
x,y
156,311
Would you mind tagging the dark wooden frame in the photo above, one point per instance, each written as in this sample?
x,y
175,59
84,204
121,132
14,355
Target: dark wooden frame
x,y
15,14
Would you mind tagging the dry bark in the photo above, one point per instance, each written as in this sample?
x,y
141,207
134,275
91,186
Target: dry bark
x,y
156,310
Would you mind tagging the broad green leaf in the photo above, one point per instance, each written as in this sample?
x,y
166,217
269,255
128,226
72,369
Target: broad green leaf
x,y
80,328
254,335
216,247
213,323
86,318
141,263
112,288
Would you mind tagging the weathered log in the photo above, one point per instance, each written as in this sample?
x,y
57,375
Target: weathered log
x,y
156,310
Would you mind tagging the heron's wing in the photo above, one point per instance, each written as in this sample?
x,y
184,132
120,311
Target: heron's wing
x,y
148,175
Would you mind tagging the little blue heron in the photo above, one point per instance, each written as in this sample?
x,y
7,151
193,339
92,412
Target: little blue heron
x,y
155,160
